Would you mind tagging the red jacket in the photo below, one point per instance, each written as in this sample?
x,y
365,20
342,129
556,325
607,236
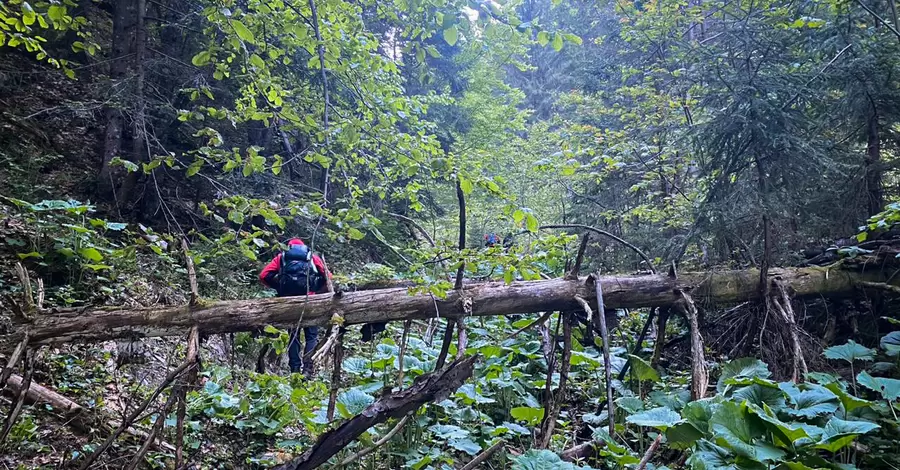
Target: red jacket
x,y
275,265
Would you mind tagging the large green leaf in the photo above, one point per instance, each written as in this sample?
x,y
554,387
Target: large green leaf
x,y
699,412
465,445
528,414
642,369
788,433
840,433
660,418
891,343
709,456
683,436
540,460
814,401
889,388
848,401
852,351
352,402
735,428
740,368
631,405
760,395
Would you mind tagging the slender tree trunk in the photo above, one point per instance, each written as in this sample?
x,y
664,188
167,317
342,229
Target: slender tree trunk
x,y
874,182
139,125
123,17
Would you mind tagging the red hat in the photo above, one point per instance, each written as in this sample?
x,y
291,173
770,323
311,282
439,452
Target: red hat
x,y
295,241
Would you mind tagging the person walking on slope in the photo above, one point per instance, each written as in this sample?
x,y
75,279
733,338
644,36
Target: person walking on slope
x,y
292,273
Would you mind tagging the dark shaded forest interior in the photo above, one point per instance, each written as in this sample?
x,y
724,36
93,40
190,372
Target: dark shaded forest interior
x,y
563,234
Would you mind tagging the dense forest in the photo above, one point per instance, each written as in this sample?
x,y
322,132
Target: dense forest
x,y
537,234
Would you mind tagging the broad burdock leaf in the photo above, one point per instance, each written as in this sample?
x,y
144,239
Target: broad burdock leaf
x,y
815,400
840,433
889,388
660,418
851,351
465,445
352,402
448,431
642,369
891,343
746,367
540,460
630,404
528,414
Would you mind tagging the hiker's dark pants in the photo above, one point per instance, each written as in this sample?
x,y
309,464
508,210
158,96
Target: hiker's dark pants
x,y
295,360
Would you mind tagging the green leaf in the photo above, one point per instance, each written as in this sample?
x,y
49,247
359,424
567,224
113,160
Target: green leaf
x,y
242,31
849,401
466,185
850,352
451,35
201,58
642,369
742,368
91,254
194,168
814,401
683,436
760,395
97,267
28,15
257,61
661,418
630,404
574,39
352,402
557,42
527,414
840,433
448,431
543,38
33,254
788,433
465,445
540,460
531,222
699,412
355,234
891,343
709,456
56,12
518,216
888,388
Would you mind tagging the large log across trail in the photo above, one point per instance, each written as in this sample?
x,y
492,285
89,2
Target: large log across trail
x,y
722,287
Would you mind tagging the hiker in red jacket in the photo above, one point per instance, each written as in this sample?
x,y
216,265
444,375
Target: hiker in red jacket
x,y
297,272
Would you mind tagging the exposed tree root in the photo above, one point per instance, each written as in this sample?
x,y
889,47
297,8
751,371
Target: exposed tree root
x,y
483,456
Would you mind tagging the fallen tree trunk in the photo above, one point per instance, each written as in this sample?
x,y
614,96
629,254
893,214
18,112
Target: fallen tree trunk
x,y
74,414
724,287
427,388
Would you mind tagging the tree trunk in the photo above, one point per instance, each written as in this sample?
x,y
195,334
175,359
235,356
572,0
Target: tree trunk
x,y
874,188
123,18
497,298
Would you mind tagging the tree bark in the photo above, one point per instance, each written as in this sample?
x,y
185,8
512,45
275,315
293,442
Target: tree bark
x,y
431,387
875,190
123,18
723,287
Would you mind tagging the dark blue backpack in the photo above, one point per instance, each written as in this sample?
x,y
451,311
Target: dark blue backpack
x,y
298,275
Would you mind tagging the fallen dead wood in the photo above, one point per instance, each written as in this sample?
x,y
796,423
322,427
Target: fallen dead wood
x,y
74,414
427,388
723,287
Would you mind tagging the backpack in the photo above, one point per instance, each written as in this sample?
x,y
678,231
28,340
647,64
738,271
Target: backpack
x,y
298,274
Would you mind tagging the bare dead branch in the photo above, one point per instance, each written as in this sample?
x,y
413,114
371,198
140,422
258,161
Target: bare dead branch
x,y
573,274
600,318
336,372
650,451
605,234
699,373
20,400
435,386
192,356
483,456
380,442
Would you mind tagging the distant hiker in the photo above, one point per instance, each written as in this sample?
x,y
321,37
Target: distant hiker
x,y
491,240
292,273
508,241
